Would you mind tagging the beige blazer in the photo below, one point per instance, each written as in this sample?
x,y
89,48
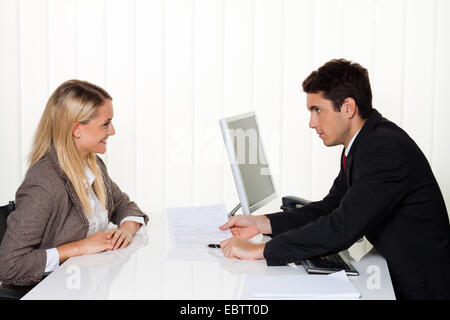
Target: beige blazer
x,y
49,214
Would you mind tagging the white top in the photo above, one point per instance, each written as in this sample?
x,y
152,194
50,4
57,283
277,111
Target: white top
x,y
98,221
347,150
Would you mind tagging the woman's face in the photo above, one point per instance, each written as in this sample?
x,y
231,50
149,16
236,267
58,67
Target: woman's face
x,y
91,137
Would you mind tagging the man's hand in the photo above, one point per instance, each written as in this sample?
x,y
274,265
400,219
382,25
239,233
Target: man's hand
x,y
247,226
242,249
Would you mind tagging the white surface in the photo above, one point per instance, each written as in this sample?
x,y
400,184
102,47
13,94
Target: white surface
x,y
147,269
335,286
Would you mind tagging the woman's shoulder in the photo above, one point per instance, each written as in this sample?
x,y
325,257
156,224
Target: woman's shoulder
x,y
44,174
101,164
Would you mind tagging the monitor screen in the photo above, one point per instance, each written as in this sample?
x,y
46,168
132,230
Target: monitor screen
x,y
248,161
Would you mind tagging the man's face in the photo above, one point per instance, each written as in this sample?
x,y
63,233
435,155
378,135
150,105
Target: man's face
x,y
330,125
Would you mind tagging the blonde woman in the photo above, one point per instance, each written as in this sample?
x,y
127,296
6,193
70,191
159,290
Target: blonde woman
x,y
67,199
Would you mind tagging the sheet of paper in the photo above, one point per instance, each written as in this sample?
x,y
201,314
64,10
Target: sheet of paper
x,y
196,227
331,286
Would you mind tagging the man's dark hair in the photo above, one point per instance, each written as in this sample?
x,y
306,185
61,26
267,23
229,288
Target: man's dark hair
x,y
339,79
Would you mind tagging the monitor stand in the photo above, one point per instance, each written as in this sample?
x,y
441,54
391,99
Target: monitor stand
x,y
233,212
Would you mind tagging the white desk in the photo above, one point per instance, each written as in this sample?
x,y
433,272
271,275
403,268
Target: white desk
x,y
148,269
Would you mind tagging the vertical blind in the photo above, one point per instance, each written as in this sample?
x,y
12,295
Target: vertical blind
x,y
175,67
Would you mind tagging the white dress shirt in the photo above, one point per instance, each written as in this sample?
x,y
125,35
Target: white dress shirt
x,y
98,221
347,150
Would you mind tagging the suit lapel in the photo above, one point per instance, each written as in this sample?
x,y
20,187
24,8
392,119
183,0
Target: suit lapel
x,y
370,124
348,171
346,167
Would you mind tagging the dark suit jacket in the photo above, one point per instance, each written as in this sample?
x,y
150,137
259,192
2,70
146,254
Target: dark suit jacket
x,y
387,193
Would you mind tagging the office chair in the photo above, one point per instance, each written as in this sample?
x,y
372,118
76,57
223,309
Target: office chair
x,y
9,292
291,202
4,213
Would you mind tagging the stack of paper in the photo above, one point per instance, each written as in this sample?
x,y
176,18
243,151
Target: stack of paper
x,y
195,227
333,286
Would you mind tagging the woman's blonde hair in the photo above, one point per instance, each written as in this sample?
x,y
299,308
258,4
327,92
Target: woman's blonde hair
x,y
73,101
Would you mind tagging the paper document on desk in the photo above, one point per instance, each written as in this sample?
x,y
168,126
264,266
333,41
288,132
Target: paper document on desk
x,y
335,286
196,227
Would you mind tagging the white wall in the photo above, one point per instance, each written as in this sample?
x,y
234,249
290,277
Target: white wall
x,y
174,67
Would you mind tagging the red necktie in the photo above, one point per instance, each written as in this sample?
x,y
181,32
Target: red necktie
x,y
343,161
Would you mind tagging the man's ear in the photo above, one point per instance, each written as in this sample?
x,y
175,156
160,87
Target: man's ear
x,y
349,108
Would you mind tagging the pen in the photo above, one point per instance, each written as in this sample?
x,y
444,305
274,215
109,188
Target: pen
x,y
211,245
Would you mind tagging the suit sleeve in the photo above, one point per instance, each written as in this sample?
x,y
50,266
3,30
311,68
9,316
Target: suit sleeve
x,y
283,221
380,182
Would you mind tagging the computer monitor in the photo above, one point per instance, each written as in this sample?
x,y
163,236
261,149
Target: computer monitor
x,y
248,162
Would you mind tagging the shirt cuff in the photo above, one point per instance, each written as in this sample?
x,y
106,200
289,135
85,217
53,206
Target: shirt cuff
x,y
133,218
52,260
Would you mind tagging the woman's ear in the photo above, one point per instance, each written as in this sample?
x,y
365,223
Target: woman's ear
x,y
76,130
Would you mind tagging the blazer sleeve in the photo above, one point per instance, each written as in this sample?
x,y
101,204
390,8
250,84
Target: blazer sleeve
x,y
20,262
283,221
123,206
119,203
380,182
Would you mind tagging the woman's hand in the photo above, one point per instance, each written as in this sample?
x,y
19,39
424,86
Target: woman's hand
x,y
122,236
95,243
99,242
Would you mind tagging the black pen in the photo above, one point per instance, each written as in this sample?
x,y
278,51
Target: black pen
x,y
211,245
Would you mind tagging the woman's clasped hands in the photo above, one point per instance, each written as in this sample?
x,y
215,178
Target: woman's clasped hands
x,y
110,240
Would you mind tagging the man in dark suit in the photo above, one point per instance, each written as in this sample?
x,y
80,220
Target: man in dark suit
x,y
385,191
